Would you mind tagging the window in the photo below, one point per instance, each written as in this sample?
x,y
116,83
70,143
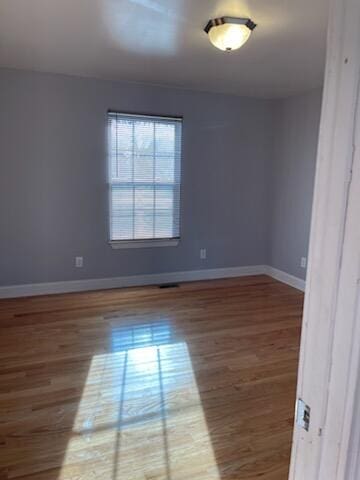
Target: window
x,y
144,180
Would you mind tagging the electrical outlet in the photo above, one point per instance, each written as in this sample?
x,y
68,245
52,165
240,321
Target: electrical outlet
x,y
303,262
203,253
79,262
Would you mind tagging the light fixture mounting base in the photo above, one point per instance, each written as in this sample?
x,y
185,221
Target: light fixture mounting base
x,y
234,20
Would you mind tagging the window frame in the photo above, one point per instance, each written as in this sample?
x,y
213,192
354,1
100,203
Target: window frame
x,y
150,242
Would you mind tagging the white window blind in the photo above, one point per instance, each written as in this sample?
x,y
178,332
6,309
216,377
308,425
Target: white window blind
x,y
144,177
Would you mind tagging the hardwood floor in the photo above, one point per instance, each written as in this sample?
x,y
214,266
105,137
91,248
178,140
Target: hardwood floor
x,y
189,383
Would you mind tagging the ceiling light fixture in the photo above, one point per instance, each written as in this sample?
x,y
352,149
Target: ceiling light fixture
x,y
229,33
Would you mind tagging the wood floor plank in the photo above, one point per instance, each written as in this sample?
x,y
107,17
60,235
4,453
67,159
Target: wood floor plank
x,y
196,382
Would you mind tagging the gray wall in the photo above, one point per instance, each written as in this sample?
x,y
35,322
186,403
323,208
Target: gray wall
x,y
53,197
292,180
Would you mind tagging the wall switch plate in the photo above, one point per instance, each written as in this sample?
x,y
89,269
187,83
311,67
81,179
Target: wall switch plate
x,y
79,262
303,262
203,253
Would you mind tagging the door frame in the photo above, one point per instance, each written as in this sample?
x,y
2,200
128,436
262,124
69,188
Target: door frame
x,y
329,380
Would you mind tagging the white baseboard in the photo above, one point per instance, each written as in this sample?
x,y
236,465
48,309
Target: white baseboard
x,y
28,290
131,281
285,278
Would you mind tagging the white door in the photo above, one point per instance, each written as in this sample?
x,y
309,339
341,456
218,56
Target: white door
x,y
329,370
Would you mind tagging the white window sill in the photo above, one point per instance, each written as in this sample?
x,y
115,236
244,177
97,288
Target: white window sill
x,y
171,242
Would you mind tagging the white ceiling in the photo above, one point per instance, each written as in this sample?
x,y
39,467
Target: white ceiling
x,y
162,42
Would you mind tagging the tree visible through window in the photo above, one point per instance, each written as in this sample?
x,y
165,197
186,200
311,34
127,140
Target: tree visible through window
x,y
144,177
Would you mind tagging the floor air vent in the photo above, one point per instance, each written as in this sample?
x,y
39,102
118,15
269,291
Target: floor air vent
x,y
169,285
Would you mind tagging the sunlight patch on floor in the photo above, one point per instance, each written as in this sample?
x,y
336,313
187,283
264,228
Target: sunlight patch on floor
x,y
140,415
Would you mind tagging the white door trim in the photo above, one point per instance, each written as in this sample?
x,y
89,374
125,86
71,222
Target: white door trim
x,y
329,357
